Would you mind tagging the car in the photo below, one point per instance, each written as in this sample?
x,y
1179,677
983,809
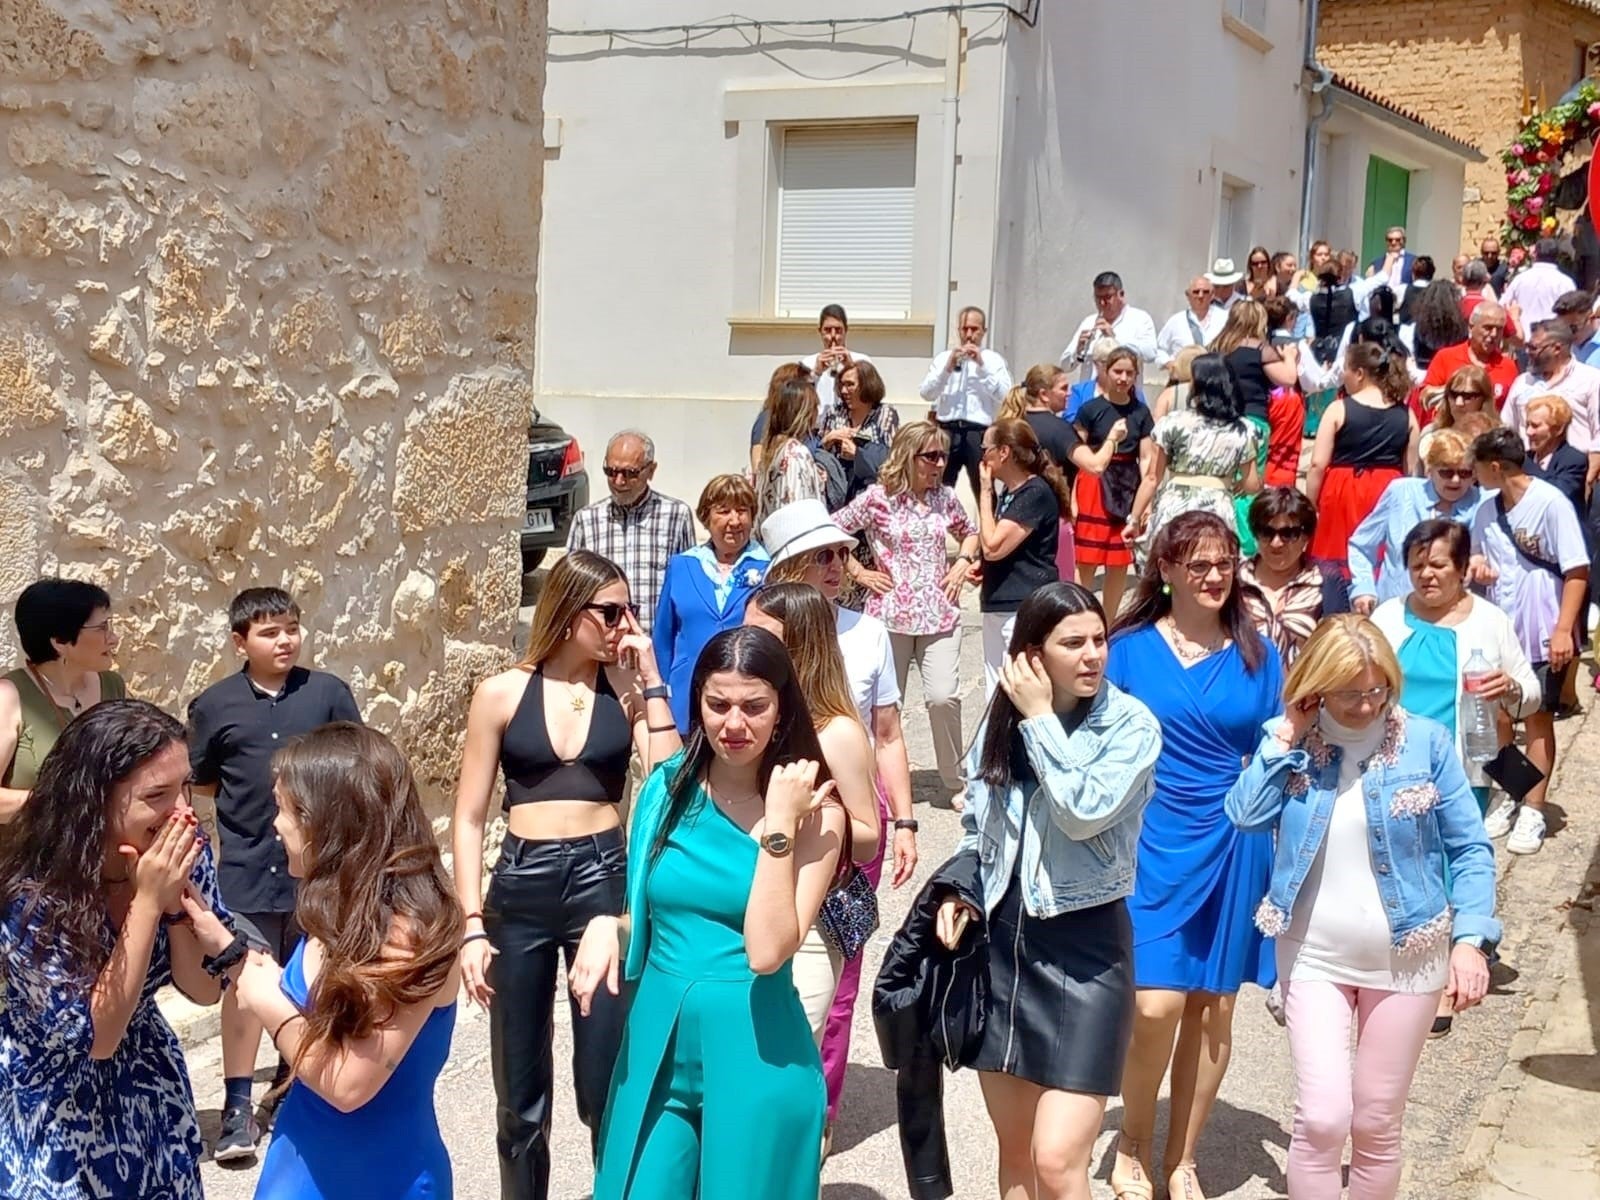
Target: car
x,y
558,486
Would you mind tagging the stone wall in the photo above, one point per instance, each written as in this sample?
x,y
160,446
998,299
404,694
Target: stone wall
x,y
1462,65
266,317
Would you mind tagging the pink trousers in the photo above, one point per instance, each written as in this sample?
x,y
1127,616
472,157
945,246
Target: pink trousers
x,y
1363,1105
841,1017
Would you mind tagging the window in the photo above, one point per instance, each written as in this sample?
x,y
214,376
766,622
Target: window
x,y
1233,221
845,224
1248,12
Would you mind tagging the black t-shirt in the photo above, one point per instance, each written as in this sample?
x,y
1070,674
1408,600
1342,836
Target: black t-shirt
x,y
234,730
1058,439
1097,417
1011,580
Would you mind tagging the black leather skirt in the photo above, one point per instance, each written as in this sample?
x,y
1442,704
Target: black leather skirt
x,y
1060,996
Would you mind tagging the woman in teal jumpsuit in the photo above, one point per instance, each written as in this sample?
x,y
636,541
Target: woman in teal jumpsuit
x,y
718,1091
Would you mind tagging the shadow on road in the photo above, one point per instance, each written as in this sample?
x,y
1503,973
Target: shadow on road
x,y
1580,1071
1233,1151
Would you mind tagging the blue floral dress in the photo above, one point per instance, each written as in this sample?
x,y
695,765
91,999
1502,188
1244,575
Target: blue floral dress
x,y
71,1127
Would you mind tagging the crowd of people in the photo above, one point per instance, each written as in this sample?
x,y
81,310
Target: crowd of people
x,y
1257,649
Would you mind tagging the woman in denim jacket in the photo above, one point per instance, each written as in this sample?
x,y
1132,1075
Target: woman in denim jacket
x,y
1369,802
1060,772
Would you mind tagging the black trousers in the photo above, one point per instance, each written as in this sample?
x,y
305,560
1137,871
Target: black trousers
x,y
966,450
540,899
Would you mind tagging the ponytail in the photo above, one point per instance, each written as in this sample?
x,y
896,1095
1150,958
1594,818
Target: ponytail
x,y
1017,436
1384,365
1015,405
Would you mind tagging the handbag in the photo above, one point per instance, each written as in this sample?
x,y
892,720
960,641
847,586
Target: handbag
x,y
849,914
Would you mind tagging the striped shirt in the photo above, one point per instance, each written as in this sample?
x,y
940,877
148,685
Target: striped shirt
x,y
640,540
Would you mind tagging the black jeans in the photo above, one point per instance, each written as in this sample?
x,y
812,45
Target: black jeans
x,y
540,899
966,450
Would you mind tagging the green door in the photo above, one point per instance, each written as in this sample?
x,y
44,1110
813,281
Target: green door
x,y
1388,193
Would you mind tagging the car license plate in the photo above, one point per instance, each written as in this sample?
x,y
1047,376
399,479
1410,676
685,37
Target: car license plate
x,y
540,520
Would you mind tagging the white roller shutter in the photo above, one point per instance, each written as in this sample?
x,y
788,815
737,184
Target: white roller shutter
x,y
845,220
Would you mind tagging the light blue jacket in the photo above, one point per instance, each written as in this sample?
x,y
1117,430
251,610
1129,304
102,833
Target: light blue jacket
x,y
1078,829
1420,813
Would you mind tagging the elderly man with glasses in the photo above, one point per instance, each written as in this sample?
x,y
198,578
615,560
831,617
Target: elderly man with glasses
x,y
636,526
1484,347
1195,325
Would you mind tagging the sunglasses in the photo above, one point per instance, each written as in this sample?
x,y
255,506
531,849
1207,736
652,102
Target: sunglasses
x,y
825,556
1281,533
623,472
611,614
933,456
1453,394
1455,473
1200,568
1260,262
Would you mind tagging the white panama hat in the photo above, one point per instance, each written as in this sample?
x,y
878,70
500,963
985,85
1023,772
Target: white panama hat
x,y
799,528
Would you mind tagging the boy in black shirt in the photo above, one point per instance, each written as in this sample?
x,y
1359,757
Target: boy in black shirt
x,y
235,727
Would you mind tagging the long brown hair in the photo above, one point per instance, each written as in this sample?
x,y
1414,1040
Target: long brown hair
x,y
1247,320
914,437
791,414
1017,436
1173,545
812,639
1385,367
374,890
573,582
1470,377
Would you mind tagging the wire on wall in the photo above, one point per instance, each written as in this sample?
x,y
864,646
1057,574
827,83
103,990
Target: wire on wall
x,y
822,28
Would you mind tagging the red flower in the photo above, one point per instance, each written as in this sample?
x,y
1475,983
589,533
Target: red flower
x,y
1546,182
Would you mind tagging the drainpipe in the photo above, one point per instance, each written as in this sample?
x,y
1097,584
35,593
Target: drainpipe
x,y
1320,81
947,184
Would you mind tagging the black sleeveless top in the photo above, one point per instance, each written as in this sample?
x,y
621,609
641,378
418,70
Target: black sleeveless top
x,y
1372,437
534,773
1250,378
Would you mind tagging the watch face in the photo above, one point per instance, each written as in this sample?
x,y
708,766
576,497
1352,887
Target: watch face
x,y
776,843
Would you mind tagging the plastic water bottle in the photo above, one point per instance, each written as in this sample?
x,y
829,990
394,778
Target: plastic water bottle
x,y
1480,740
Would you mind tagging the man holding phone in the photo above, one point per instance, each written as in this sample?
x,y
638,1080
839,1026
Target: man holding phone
x,y
966,386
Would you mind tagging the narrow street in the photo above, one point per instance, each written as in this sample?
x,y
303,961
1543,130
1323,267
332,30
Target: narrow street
x,y
1244,1150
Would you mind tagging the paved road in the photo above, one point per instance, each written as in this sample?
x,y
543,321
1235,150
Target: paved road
x,y
1242,1157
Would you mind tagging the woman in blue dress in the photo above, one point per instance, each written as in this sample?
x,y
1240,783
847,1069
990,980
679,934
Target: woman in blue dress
x,y
365,1006
107,893
1185,646
718,1091
706,587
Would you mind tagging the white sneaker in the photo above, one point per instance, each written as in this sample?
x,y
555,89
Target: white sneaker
x,y
1497,821
1528,834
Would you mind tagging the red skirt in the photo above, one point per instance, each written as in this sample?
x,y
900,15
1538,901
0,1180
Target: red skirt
x,y
1098,539
1348,495
1286,418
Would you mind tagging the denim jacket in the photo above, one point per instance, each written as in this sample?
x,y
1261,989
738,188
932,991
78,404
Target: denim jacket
x,y
1078,829
1420,813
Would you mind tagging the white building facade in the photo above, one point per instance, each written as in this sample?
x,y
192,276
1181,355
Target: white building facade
x,y
710,185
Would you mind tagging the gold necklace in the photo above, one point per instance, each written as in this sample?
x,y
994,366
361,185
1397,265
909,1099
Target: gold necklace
x,y
1180,641
575,696
50,692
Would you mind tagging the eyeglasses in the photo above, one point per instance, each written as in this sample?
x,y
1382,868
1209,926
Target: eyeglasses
x,y
986,448
1201,292
1455,473
611,613
1260,262
1353,696
107,626
933,456
630,473
1201,568
825,556
1281,533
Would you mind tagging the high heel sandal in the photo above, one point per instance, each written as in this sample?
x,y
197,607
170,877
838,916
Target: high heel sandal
x,y
1129,1182
1184,1183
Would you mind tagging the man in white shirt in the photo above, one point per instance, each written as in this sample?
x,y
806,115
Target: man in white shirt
x,y
1531,297
1113,317
966,386
1553,370
1196,325
832,360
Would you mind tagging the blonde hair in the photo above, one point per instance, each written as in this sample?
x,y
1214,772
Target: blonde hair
x,y
811,637
791,570
1246,319
1448,447
1560,410
914,437
1338,650
1182,368
573,583
1034,385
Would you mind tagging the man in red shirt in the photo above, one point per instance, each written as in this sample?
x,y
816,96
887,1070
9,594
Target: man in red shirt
x,y
1485,337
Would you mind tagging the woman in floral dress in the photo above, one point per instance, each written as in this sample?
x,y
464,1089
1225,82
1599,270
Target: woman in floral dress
x,y
1202,458
908,517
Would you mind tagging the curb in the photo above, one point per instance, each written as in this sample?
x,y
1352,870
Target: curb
x,y
195,1025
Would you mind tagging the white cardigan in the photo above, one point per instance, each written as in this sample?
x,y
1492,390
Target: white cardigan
x,y
1488,629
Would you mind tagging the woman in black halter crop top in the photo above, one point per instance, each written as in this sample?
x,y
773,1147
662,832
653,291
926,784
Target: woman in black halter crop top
x,y
562,726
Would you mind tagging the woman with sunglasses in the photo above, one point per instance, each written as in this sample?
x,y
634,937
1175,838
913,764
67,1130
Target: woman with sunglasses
x,y
909,518
562,727
1288,592
1449,490
69,645
1469,390
1368,806
1260,280
1187,649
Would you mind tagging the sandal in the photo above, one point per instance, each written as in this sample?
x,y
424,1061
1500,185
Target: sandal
x,y
1128,1180
1184,1183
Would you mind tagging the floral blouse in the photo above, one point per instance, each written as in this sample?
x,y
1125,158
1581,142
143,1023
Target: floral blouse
x,y
792,475
908,541
76,1128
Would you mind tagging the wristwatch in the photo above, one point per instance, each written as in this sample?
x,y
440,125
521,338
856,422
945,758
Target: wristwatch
x,y
660,692
777,844
1481,944
906,823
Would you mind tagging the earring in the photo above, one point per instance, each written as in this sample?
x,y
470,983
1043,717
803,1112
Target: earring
x,y
566,633
1166,589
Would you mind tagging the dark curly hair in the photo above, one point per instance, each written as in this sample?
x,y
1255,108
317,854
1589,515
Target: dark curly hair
x,y
52,858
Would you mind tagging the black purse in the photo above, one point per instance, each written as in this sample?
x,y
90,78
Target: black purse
x,y
849,914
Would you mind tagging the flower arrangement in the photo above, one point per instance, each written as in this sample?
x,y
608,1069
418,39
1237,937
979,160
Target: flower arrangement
x,y
1533,163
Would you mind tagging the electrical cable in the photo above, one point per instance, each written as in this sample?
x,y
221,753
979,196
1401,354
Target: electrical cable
x,y
695,31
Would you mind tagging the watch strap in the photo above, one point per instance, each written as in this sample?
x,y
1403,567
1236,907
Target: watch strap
x,y
907,823
660,692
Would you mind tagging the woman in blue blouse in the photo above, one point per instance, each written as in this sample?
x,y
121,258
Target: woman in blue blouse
x,y
706,587
107,893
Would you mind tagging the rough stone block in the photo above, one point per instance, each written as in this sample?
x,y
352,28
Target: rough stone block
x,y
37,43
28,371
215,122
368,188
462,458
489,206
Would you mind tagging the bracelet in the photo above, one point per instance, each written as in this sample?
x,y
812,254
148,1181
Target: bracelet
x,y
906,823
475,937
284,1023
661,729
473,916
232,954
